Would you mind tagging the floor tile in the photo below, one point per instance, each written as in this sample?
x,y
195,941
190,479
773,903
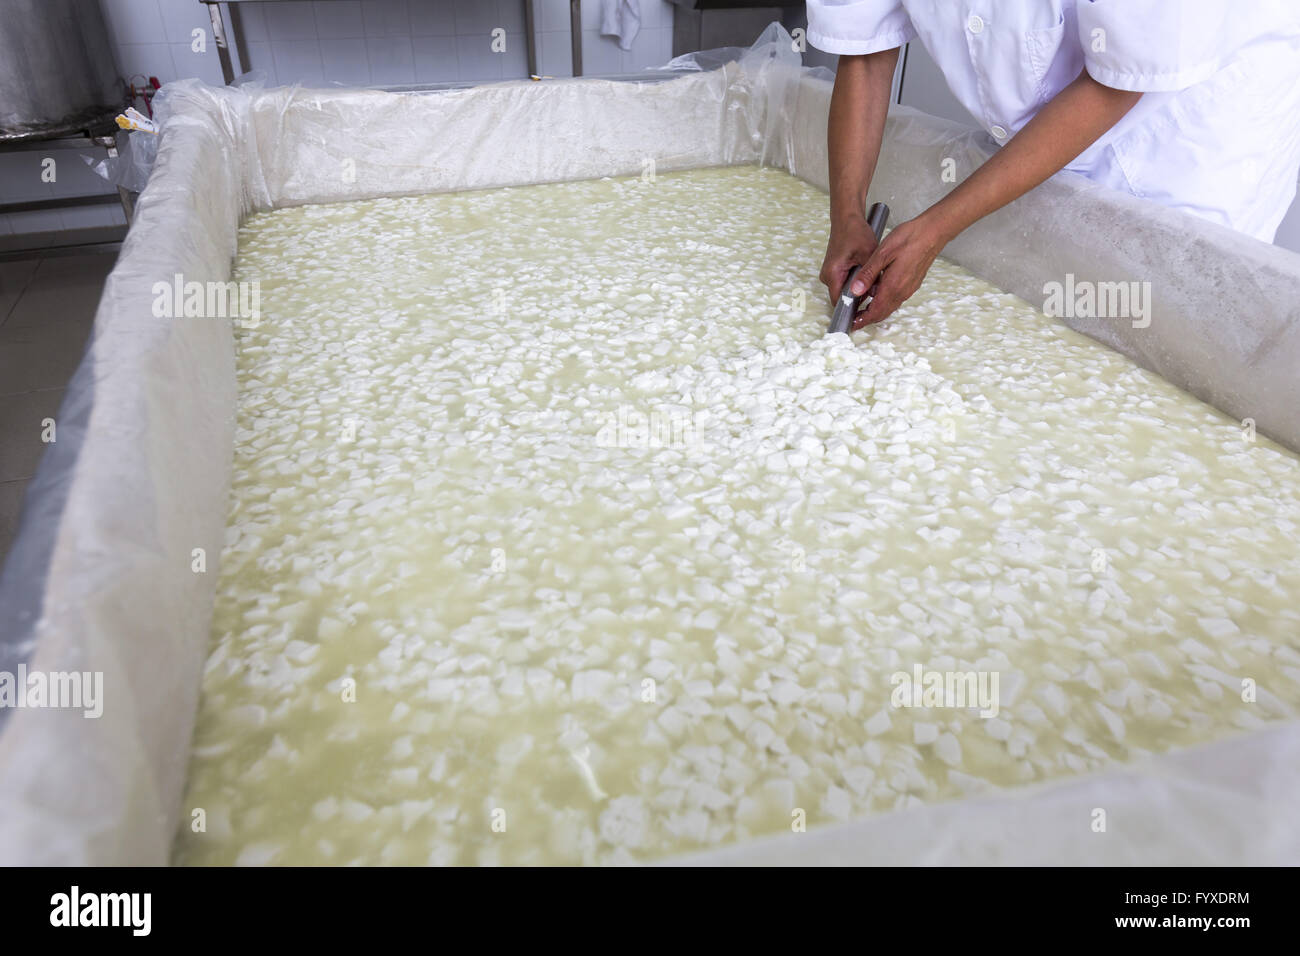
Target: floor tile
x,y
14,277
11,502
62,290
21,426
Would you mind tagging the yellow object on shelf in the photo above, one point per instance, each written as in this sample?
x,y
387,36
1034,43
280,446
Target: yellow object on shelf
x,y
134,119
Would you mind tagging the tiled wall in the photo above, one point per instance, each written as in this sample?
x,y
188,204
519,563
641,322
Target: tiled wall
x,y
349,42
153,37
394,42
381,42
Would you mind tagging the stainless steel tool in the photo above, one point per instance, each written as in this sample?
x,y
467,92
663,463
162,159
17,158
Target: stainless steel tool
x,y
849,305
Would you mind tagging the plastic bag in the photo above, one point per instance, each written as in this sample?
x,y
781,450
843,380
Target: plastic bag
x,y
130,168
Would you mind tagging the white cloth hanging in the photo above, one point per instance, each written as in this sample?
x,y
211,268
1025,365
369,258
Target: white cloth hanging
x,y
622,19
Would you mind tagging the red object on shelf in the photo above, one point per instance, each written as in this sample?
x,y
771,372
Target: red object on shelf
x,y
144,91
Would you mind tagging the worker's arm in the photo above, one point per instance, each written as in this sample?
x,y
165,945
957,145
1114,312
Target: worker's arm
x,y
859,104
1070,122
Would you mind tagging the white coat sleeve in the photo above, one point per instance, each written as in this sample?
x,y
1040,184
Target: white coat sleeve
x,y
851,27
1150,46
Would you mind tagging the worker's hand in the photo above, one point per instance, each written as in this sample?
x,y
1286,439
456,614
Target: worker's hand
x,y
898,266
851,244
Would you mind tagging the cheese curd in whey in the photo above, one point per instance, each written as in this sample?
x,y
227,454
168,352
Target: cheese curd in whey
x,y
561,533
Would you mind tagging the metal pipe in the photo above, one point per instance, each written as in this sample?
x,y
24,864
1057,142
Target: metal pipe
x,y
238,42
219,38
846,310
876,219
575,29
530,36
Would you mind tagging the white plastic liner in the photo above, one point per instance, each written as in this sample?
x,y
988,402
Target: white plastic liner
x,y
100,577
1232,803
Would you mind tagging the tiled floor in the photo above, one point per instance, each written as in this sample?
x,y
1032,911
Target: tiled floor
x,y
47,307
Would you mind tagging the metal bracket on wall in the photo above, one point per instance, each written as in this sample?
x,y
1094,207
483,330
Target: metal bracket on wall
x,y
219,38
575,31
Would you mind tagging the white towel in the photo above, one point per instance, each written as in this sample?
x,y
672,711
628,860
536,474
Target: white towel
x,y
622,19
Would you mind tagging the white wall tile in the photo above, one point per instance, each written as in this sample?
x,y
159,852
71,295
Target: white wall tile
x,y
651,48
344,61
477,61
392,62
387,18
147,59
514,61
474,18
335,20
294,20
180,17
260,59
435,59
511,15
206,66
433,18
135,21
601,56
554,53
253,17
298,61
656,14
553,15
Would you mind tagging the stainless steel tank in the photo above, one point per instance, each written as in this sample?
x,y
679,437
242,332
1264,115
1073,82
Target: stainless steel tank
x,y
57,75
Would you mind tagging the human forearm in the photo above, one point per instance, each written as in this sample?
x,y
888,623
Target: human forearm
x,y
859,104
1067,125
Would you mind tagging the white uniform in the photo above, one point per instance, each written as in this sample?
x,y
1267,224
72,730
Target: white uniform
x,y
1217,132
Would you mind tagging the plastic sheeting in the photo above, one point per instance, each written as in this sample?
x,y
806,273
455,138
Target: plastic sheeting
x,y
1231,803
131,167
99,579
103,577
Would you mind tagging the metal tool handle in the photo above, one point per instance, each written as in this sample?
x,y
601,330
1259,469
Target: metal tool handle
x,y
877,217
847,308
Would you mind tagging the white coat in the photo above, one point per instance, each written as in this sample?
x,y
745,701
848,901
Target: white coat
x,y
1217,132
